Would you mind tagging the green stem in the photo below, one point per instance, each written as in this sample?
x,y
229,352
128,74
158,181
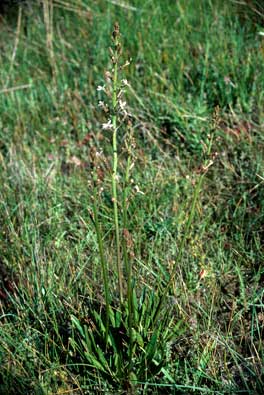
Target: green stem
x,y
128,268
104,269
114,176
124,207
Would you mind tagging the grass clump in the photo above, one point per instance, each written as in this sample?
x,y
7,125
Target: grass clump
x,y
131,253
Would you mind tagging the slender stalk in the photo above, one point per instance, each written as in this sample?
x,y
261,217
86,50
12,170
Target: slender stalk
x,y
104,269
124,208
128,265
115,161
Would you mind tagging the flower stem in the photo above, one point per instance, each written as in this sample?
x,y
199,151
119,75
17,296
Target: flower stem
x,y
128,266
104,269
115,162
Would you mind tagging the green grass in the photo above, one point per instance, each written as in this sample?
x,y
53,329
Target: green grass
x,y
197,70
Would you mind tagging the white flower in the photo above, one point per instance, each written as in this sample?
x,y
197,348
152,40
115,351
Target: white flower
x,y
98,153
138,190
101,104
127,63
108,76
122,105
125,82
261,33
100,88
107,125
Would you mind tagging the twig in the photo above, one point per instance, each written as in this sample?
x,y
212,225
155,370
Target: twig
x,y
15,88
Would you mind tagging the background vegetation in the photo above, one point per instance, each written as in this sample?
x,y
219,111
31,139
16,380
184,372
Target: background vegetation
x,y
196,72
